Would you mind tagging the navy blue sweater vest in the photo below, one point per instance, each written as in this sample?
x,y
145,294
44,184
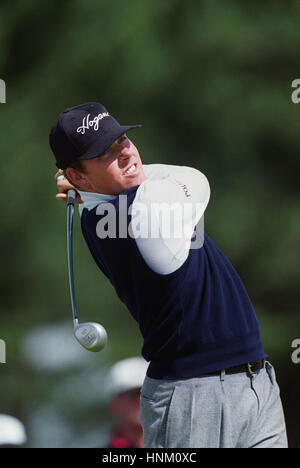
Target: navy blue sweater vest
x,y
196,320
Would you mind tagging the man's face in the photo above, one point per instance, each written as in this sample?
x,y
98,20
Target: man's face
x,y
119,169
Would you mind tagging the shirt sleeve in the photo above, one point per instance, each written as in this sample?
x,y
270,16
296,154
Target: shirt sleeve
x,y
167,207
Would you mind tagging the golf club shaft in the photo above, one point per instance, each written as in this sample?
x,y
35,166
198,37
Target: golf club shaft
x,y
70,210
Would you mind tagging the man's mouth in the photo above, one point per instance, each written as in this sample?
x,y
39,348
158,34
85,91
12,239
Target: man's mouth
x,y
131,170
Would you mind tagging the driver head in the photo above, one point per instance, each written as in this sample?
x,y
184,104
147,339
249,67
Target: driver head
x,y
91,335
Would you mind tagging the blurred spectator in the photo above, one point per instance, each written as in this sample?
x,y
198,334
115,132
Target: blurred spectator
x,y
123,385
12,432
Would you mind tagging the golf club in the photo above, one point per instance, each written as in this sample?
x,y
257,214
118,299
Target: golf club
x,y
91,335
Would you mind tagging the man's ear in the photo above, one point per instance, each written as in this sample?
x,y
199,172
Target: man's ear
x,y
78,178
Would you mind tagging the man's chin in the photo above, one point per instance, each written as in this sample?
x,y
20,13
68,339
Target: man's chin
x,y
134,181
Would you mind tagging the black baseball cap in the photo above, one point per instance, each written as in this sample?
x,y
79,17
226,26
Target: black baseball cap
x,y
84,132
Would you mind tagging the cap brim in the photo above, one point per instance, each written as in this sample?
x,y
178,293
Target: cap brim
x,y
99,149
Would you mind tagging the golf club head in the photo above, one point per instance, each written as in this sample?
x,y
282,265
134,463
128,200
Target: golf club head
x,y
91,335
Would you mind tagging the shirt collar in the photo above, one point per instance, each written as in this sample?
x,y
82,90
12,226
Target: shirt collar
x,y
92,199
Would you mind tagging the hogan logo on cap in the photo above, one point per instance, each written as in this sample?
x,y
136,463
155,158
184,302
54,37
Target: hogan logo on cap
x,y
87,123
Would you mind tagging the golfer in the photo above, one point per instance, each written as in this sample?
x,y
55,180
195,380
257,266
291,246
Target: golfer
x,y
208,383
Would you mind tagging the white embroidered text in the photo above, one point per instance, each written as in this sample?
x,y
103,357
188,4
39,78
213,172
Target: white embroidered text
x,y
94,123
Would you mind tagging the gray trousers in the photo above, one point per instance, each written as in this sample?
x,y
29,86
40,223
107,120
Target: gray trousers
x,y
227,411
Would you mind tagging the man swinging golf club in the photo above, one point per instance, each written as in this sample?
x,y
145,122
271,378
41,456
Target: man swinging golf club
x,y
208,383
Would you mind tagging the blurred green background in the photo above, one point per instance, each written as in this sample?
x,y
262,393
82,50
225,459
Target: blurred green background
x,y
210,81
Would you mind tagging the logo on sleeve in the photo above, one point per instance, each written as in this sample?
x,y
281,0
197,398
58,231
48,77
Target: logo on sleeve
x,y
185,189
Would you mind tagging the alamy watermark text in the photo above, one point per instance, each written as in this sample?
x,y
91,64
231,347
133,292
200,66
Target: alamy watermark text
x,y
2,92
295,96
296,354
2,352
155,220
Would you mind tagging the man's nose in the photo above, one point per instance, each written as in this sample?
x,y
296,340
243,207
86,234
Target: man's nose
x,y
124,151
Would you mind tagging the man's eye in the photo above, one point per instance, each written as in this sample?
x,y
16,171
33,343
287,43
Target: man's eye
x,y
122,139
